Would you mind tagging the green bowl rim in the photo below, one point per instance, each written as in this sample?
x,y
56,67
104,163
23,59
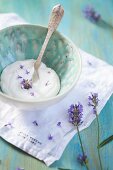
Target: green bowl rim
x,y
59,95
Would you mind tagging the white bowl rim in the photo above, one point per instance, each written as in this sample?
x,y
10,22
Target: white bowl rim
x,y
59,95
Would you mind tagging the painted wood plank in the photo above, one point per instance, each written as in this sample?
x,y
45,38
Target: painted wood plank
x,y
96,39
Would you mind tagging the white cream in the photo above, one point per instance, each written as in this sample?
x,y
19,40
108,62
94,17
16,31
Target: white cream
x,y
14,79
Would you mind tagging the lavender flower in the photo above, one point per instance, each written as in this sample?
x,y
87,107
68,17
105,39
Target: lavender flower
x,y
50,137
8,125
19,77
59,124
32,93
47,83
93,101
75,114
21,66
35,123
26,84
90,13
19,168
27,72
82,159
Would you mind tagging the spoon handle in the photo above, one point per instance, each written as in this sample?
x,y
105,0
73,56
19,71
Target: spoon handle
x,y
56,16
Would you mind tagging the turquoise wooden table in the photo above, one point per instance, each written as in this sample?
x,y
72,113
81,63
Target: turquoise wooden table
x,y
95,39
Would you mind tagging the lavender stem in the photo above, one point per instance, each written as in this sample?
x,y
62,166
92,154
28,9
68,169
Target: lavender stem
x,y
98,141
82,148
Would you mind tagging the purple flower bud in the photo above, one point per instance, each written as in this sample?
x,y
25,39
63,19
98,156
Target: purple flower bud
x,y
8,125
47,83
59,124
50,137
91,14
21,66
35,123
19,77
94,110
32,93
82,159
27,72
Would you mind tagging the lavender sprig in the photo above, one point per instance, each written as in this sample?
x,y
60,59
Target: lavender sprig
x,y
90,13
75,113
93,102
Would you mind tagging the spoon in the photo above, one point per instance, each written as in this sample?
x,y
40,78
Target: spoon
x,y
55,18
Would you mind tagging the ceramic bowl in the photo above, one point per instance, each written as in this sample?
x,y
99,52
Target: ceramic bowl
x,y
23,42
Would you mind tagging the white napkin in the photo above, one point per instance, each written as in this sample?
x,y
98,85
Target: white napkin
x,y
38,133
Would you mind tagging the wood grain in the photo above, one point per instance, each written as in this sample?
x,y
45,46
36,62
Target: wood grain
x,y
95,39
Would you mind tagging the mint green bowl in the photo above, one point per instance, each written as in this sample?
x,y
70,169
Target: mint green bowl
x,y
22,42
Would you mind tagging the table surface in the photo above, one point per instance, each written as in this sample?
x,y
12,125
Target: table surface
x,y
96,39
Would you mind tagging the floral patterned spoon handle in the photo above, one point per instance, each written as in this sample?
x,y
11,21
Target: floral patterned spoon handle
x,y
56,16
